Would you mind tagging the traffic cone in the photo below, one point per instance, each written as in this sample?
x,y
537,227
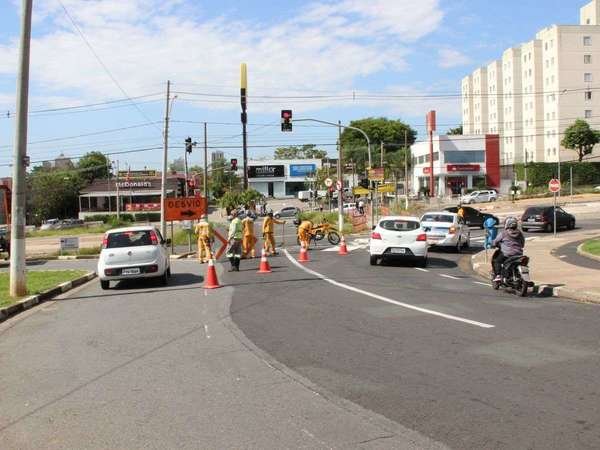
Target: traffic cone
x,y
264,267
210,280
343,249
303,254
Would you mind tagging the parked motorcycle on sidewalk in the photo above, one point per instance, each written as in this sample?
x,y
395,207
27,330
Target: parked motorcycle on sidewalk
x,y
515,275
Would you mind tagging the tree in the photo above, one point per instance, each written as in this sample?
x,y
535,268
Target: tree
x,y
581,138
454,131
307,151
222,180
93,165
177,165
380,129
53,193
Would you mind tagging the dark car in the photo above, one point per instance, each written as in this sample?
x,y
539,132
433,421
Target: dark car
x,y
542,218
472,216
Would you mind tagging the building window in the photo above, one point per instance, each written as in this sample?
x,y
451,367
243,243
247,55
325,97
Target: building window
x,y
588,95
588,113
587,40
587,59
587,77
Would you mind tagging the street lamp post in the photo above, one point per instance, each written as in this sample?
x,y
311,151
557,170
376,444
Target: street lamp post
x,y
163,193
339,125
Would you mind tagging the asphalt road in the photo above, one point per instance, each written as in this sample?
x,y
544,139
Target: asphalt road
x,y
530,381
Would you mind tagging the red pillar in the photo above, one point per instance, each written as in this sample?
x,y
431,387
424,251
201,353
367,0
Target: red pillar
x,y
431,129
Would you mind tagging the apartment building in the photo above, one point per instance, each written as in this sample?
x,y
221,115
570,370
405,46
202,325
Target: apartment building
x,y
537,89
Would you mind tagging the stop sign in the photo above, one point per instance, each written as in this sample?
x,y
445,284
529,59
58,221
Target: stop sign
x,y
554,185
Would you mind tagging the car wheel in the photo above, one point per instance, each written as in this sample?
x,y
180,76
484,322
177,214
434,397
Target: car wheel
x,y
105,284
164,279
467,243
549,228
169,272
495,285
373,260
277,216
572,224
423,262
458,246
525,229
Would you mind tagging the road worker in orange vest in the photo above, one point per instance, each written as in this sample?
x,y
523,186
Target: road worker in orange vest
x,y
205,233
268,231
249,239
304,230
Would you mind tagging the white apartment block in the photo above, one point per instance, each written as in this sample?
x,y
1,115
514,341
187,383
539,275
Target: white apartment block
x,y
495,121
537,89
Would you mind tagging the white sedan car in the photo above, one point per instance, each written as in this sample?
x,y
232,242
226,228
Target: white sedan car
x,y
133,252
446,229
398,237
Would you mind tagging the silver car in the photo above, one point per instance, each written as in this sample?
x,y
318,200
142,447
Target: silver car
x,y
446,229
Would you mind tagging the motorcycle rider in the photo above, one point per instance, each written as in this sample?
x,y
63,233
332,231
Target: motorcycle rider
x,y
510,242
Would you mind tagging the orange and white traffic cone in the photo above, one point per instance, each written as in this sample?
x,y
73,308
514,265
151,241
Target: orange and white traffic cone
x,y
210,280
303,254
264,266
343,249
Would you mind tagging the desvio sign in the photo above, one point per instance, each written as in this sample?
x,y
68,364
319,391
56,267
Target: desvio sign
x,y
302,170
185,208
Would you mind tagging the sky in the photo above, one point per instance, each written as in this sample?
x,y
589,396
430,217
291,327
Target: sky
x,y
99,69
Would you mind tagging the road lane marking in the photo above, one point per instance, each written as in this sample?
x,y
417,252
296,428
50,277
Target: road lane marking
x,y
206,331
385,299
483,284
448,276
422,270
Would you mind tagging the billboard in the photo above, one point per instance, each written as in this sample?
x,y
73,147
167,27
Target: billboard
x,y
302,170
266,171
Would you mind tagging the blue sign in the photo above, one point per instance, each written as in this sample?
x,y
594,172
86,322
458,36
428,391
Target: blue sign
x,y
302,170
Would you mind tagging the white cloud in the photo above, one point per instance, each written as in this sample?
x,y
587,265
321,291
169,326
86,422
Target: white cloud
x,y
145,42
452,58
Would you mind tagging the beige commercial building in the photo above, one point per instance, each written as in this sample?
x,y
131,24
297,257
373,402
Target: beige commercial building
x,y
536,90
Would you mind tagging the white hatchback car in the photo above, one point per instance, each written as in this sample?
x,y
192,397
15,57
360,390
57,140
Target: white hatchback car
x,y
479,197
446,229
398,237
133,252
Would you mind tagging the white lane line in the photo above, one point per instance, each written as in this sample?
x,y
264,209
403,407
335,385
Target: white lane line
x,y
422,270
448,276
562,256
206,331
385,299
483,284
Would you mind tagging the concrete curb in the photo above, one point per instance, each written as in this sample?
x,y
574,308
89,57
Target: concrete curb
x,y
582,252
30,302
483,270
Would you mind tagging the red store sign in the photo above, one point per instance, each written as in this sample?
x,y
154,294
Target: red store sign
x,y
463,167
142,207
426,170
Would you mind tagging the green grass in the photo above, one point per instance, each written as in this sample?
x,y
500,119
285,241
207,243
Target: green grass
x,y
592,246
37,281
70,231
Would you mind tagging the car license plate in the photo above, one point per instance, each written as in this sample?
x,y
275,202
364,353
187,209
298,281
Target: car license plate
x,y
531,219
435,238
400,251
134,271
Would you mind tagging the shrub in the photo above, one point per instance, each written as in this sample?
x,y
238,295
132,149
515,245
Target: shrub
x,y
147,217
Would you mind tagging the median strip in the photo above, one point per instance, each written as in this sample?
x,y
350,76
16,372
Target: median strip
x,y
385,299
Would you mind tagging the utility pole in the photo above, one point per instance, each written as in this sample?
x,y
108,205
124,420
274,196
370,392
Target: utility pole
x,y
18,286
405,169
109,188
243,98
205,178
340,175
118,195
381,152
163,193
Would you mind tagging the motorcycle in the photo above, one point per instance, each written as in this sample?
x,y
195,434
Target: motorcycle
x,y
515,275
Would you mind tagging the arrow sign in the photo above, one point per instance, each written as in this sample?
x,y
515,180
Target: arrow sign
x,y
188,213
185,208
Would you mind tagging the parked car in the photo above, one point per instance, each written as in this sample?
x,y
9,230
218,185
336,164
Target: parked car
x,y
480,197
542,218
288,211
133,252
398,237
50,224
473,217
446,229
70,223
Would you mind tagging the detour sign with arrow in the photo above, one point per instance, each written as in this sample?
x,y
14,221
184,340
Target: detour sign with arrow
x,y
184,208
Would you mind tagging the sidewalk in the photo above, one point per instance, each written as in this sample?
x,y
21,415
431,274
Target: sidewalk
x,y
549,272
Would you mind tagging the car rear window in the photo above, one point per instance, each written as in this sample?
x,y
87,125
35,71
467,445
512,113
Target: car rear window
x,y
399,225
437,218
129,239
534,211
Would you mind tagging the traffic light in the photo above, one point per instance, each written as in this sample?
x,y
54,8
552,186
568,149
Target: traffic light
x,y
286,120
364,183
189,144
233,164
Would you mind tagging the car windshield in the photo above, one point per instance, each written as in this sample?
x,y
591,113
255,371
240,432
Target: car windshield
x,y
399,225
437,218
129,239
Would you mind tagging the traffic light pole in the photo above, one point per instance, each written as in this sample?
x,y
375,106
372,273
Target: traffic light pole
x,y
339,125
163,192
17,268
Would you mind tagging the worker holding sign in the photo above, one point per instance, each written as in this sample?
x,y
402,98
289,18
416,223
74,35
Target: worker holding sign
x,y
269,233
249,239
205,234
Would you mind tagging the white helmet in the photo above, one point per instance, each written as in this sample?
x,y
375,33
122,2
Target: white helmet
x,y
511,223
